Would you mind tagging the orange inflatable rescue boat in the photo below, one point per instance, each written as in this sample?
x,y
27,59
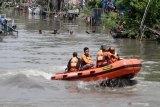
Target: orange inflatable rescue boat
x,y
123,68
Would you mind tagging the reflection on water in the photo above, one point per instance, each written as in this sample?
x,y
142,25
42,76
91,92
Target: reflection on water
x,y
1,38
33,17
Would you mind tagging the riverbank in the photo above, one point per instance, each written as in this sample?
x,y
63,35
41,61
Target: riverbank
x,y
135,14
118,27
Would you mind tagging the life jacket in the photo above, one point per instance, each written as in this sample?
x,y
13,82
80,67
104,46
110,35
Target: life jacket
x,y
86,60
100,58
107,57
114,56
74,64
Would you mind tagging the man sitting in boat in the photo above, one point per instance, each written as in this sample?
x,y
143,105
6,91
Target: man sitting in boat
x,y
74,63
105,57
116,56
86,61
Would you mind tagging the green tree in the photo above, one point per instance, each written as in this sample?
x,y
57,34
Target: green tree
x,y
134,10
153,16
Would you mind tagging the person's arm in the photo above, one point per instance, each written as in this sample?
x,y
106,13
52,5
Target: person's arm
x,y
107,54
69,65
78,63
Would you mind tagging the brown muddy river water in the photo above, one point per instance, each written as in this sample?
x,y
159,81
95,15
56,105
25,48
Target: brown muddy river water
x,y
27,62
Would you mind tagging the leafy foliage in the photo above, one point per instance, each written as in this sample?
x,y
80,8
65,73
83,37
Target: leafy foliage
x,y
17,1
134,10
153,16
95,3
109,20
40,2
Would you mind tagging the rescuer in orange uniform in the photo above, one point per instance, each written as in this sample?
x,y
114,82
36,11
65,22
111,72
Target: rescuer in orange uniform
x,y
105,57
74,63
86,61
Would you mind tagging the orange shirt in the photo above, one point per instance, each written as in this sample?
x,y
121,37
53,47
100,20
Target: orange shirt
x,y
111,56
105,57
87,59
108,57
107,54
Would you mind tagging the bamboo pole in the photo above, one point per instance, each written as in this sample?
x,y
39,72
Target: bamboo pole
x,y
143,19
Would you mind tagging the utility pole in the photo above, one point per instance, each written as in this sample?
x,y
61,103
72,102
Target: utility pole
x,y
143,19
